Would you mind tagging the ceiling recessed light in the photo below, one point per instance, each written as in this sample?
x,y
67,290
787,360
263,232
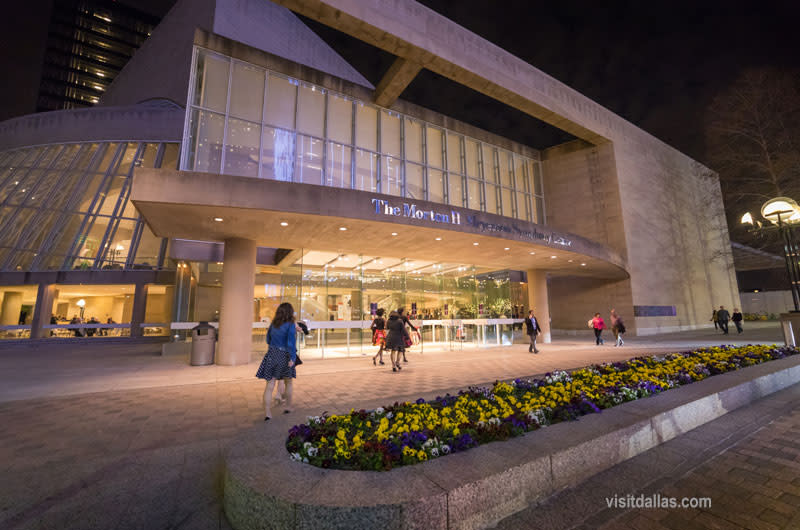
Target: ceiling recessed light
x,y
438,239
552,257
569,260
476,244
583,264
507,248
284,223
532,253
343,228
218,219
394,233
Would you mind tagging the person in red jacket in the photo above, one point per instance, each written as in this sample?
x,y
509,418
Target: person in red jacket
x,y
598,325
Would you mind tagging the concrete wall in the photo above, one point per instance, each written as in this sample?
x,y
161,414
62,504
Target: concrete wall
x,y
767,302
131,123
657,207
161,67
582,196
676,235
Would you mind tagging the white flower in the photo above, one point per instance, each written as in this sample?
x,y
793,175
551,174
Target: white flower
x,y
445,448
379,410
296,456
312,451
389,415
434,452
305,460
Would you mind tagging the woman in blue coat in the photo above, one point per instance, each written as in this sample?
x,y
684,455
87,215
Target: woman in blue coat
x,y
278,362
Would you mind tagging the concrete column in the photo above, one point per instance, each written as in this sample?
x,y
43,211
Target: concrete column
x,y
539,302
236,307
43,310
12,305
127,308
138,311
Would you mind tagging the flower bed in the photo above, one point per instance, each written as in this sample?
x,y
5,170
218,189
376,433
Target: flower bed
x,y
408,433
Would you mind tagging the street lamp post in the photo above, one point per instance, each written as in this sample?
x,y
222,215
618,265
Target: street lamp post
x,y
784,214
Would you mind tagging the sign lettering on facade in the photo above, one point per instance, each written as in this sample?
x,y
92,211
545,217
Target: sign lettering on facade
x,y
411,210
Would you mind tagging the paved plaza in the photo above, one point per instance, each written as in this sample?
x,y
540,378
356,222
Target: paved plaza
x,y
116,436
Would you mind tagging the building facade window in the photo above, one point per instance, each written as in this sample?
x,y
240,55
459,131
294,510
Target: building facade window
x,y
312,135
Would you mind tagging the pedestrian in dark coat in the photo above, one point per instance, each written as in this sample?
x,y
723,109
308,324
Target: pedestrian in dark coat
x,y
737,318
396,338
532,330
722,319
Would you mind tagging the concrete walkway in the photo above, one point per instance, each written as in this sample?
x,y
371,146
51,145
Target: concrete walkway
x,y
746,463
65,369
114,436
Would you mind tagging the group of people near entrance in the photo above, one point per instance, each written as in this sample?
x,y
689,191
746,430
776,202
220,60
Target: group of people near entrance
x,y
391,335
720,318
617,328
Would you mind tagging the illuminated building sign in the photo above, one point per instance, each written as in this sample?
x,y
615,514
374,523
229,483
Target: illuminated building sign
x,y
411,210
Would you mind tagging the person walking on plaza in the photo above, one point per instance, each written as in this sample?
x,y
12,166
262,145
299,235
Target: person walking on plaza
x,y
406,322
279,361
617,327
280,391
722,319
532,330
737,319
378,328
396,338
598,325
714,318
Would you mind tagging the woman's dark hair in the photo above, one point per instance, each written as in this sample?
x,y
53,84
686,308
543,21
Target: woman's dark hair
x,y
401,310
284,314
393,315
380,312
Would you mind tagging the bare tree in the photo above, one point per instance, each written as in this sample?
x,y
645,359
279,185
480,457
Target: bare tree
x,y
753,142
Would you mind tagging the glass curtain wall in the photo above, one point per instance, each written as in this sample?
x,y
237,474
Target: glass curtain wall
x,y
247,121
66,206
339,294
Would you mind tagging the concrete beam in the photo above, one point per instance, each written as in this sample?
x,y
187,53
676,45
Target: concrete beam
x,y
396,79
410,30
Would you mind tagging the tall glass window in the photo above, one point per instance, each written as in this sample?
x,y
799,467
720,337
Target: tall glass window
x,y
277,154
311,111
281,100
245,120
247,99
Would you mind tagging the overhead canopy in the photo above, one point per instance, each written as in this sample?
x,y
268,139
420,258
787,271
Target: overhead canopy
x,y
209,207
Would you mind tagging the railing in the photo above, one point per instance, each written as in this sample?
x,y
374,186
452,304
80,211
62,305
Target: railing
x,y
330,341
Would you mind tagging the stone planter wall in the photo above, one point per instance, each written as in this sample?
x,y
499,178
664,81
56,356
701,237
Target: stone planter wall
x,y
265,489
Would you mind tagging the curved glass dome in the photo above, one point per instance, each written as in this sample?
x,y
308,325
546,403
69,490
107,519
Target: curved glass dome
x,y
65,206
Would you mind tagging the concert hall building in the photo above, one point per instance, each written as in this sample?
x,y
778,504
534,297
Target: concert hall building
x,y
238,161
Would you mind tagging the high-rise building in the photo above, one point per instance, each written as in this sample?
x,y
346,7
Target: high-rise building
x,y
88,43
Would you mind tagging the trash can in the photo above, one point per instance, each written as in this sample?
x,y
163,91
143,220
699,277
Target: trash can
x,y
204,338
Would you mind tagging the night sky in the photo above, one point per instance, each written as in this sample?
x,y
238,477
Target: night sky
x,y
656,64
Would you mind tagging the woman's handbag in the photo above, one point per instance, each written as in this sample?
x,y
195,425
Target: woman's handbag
x,y
297,360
